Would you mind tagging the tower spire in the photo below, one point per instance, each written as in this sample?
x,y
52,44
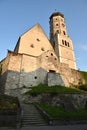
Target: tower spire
x,y
60,41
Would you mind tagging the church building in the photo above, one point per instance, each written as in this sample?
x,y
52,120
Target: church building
x,y
38,60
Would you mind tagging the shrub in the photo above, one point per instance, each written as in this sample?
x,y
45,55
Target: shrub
x,y
84,75
83,87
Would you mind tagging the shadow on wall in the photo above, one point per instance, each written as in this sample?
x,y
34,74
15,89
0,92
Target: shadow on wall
x,y
3,82
54,78
12,80
33,78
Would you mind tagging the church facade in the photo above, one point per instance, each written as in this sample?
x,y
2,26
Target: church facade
x,y
38,60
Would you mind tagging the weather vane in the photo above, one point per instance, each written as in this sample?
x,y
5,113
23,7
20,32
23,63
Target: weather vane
x,y
55,10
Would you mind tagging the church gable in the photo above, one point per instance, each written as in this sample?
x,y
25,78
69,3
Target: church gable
x,y
33,42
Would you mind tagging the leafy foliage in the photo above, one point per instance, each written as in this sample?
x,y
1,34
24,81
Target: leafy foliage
x,y
8,102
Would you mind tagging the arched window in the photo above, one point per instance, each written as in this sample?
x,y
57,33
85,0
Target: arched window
x,y
68,44
64,33
63,42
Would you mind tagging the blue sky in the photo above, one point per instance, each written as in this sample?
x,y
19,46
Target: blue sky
x,y
17,16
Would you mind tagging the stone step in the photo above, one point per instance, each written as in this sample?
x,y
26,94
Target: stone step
x,y
32,124
34,120
31,116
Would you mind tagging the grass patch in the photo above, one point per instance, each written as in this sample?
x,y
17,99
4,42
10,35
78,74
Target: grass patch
x,y
53,90
61,113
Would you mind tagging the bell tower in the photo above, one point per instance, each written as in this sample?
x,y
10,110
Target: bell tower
x,y
60,41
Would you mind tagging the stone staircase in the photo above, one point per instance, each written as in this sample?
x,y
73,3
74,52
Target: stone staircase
x,y
31,116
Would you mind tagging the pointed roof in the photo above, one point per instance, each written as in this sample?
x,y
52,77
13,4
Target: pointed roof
x,y
56,14
33,42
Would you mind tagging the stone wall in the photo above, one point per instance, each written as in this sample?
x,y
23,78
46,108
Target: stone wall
x,y
69,102
14,61
49,61
16,83
12,80
21,71
33,78
71,77
11,62
4,64
54,79
28,63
